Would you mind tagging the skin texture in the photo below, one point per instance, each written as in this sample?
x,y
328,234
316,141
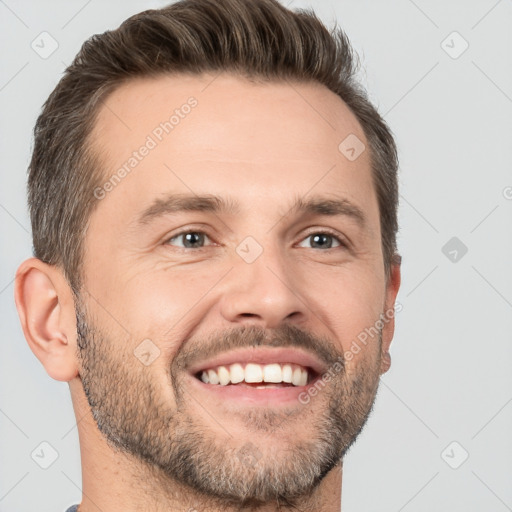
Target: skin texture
x,y
262,145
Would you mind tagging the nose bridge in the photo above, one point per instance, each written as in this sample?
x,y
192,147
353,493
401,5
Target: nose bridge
x,y
261,288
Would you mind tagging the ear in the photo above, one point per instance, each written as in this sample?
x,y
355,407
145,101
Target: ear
x,y
392,287
45,305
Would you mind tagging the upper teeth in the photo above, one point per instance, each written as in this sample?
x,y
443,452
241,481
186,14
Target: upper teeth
x,y
275,373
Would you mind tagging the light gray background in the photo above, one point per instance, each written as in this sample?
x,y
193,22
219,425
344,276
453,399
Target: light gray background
x,y
451,376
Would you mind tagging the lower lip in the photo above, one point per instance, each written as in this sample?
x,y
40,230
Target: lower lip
x,y
252,395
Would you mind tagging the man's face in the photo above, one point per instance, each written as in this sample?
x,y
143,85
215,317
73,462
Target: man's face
x,y
200,272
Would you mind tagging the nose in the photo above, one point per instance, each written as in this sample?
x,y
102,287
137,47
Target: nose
x,y
265,292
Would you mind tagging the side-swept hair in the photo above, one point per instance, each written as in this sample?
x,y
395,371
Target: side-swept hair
x,y
254,38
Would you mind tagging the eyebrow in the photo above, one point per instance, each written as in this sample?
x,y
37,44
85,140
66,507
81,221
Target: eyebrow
x,y
329,207
176,203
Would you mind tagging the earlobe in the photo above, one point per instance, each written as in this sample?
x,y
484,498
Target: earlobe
x,y
385,362
45,306
393,285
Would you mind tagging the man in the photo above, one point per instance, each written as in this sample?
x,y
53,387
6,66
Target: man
x,y
213,203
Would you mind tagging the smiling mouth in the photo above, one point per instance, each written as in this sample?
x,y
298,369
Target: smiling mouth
x,y
259,376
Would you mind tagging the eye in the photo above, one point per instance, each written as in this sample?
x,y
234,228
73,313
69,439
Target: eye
x,y
323,240
189,239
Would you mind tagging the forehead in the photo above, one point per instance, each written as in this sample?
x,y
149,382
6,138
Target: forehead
x,y
208,133
226,104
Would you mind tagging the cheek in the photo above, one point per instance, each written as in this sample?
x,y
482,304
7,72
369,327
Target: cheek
x,y
352,305
163,305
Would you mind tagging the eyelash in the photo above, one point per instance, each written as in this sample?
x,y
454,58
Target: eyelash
x,y
340,240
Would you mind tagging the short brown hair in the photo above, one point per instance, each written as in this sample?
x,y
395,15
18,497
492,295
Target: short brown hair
x,y
254,38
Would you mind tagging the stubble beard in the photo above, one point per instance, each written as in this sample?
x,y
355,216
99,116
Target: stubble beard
x,y
127,404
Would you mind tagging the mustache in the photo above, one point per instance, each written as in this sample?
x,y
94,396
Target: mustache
x,y
218,342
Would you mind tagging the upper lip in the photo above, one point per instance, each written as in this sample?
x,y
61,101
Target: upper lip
x,y
262,355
